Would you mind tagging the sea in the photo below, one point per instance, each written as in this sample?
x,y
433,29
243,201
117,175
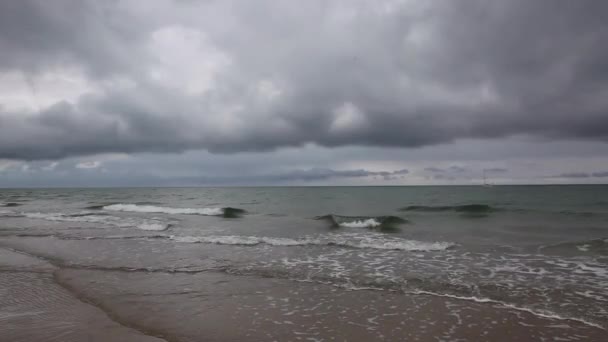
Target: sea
x,y
414,263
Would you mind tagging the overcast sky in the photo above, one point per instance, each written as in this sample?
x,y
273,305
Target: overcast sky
x,y
185,92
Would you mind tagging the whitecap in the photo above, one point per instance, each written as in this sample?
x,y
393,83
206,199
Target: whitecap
x,y
240,240
369,223
390,243
340,240
583,248
86,217
157,226
165,210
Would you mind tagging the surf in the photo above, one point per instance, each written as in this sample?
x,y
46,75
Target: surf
x,y
227,212
384,223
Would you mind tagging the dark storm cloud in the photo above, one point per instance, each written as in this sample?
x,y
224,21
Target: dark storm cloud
x,y
100,36
331,73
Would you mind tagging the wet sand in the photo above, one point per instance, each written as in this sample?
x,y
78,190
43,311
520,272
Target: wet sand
x,y
35,307
89,290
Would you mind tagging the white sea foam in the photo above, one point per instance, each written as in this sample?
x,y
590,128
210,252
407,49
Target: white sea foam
x,y
597,270
85,217
240,240
342,240
166,210
67,218
583,248
535,312
395,244
152,226
369,223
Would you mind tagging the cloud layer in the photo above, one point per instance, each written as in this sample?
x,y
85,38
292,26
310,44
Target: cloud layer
x,y
233,76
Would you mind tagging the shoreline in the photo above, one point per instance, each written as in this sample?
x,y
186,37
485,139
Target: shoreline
x,y
215,306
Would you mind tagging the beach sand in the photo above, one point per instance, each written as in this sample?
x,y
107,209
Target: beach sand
x,y
35,307
51,291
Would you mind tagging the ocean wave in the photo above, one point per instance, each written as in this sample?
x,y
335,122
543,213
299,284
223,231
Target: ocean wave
x,y
155,226
579,213
225,212
586,247
340,240
98,206
85,217
372,222
369,223
464,208
10,204
81,214
375,272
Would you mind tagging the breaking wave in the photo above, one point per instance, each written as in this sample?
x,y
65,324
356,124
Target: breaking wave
x,y
85,217
340,240
225,212
369,223
98,206
372,222
6,213
586,247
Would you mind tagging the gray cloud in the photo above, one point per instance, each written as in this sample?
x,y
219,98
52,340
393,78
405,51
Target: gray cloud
x,y
455,169
442,177
458,169
572,175
601,174
434,169
36,35
329,73
401,172
308,175
169,169
496,170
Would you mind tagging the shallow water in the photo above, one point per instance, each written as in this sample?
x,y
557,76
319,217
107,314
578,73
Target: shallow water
x,y
535,255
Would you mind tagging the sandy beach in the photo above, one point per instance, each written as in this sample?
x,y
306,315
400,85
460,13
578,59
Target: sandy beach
x,y
51,291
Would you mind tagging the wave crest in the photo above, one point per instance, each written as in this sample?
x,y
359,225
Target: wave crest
x,y
372,222
225,212
143,224
340,240
586,247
